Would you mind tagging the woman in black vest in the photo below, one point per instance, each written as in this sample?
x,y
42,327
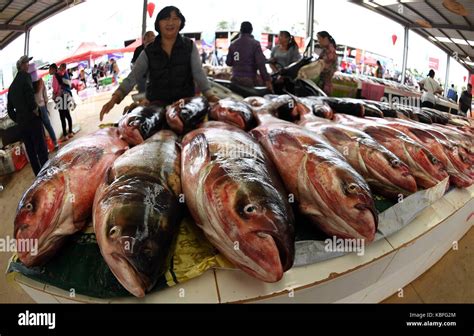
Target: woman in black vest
x,y
172,63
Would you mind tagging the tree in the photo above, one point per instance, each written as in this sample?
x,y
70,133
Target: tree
x,y
223,25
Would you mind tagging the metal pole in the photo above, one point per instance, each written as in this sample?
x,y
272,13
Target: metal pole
x,y
405,55
145,5
27,42
446,81
310,23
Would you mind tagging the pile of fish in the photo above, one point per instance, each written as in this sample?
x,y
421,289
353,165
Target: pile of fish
x,y
243,177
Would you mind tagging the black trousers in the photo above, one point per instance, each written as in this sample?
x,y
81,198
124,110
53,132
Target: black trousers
x,y
65,115
35,144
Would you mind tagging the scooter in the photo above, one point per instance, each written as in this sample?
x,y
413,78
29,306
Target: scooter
x,y
284,81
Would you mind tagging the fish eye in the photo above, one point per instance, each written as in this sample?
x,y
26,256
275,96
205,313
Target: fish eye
x,y
434,160
29,207
353,188
250,209
396,163
114,231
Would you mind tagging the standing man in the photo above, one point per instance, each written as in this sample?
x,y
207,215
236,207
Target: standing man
x,y
465,102
148,38
22,109
452,94
430,87
246,57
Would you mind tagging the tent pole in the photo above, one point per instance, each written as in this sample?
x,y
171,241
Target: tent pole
x,y
446,81
27,42
405,55
145,5
310,23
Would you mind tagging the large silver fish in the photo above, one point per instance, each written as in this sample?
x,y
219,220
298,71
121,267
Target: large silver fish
x,y
329,191
425,167
137,212
384,172
236,197
60,200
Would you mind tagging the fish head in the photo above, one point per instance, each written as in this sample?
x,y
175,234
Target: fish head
x,y
187,113
381,162
232,112
129,231
38,214
431,164
257,221
129,128
344,190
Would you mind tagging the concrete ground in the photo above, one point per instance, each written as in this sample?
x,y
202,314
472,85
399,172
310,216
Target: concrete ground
x,y
450,280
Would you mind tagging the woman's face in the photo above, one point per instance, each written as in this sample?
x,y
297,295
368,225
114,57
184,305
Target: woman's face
x,y
283,39
323,41
169,26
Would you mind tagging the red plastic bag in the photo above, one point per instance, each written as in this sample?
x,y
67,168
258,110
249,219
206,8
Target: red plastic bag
x,y
18,156
49,144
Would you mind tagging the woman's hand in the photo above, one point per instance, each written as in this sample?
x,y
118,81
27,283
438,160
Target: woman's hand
x,y
213,99
108,106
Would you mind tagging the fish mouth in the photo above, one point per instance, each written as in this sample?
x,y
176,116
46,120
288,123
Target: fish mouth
x,y
269,255
233,118
368,230
237,121
128,276
41,252
285,254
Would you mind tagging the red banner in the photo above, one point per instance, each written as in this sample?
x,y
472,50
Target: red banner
x,y
433,63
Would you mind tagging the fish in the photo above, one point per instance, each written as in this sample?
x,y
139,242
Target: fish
x,y
233,112
312,104
454,147
256,101
436,116
236,197
387,109
385,173
59,202
442,152
186,114
330,193
344,105
137,212
141,123
425,167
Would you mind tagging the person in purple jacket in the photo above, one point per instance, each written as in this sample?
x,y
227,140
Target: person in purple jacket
x,y
246,57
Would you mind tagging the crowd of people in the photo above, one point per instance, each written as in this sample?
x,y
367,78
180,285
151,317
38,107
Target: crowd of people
x,y
166,68
430,88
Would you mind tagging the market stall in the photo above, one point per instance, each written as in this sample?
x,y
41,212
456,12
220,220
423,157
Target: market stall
x,y
358,86
87,264
387,266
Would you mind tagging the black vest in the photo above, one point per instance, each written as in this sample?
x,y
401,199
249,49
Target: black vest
x,y
170,77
